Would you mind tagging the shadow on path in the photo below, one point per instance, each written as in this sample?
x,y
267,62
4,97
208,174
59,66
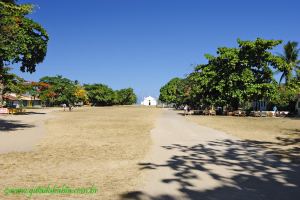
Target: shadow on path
x,y
30,113
258,171
11,125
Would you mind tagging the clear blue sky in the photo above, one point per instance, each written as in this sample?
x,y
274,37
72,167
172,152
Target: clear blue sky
x,y
144,43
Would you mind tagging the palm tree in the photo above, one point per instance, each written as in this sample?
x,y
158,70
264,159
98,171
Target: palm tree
x,y
290,55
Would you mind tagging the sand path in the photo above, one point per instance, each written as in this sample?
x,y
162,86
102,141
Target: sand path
x,y
188,161
19,133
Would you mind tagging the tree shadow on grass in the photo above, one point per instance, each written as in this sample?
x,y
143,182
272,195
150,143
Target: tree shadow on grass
x,y
290,137
11,125
259,171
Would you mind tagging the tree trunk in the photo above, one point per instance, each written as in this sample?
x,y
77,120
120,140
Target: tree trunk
x,y
1,82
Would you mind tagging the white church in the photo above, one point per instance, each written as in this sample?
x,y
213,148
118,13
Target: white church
x,y
149,101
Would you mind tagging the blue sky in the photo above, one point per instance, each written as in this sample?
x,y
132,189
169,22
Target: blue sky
x,y
144,43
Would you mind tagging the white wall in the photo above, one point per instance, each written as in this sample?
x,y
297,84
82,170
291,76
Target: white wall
x,y
146,101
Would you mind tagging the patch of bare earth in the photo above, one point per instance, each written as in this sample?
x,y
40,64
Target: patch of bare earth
x,y
280,134
90,146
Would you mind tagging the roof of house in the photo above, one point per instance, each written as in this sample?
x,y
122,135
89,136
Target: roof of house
x,y
14,97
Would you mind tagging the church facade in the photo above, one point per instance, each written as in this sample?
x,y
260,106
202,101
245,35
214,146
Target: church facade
x,y
149,101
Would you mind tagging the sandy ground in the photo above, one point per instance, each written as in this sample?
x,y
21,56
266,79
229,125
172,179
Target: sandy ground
x,y
188,161
89,146
112,149
256,128
280,133
21,132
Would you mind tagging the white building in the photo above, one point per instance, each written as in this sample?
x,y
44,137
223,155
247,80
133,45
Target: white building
x,y
149,101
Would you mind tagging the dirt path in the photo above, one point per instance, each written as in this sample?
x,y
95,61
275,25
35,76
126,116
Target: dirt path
x,y
188,161
19,133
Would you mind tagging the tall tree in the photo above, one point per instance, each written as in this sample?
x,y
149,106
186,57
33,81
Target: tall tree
x,y
236,75
22,40
60,90
125,96
173,92
100,94
290,56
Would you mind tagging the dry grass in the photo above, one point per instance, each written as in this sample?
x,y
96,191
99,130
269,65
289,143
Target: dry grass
x,y
283,133
91,146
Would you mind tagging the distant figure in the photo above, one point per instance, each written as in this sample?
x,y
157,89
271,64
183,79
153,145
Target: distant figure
x,y
275,110
185,109
70,107
64,106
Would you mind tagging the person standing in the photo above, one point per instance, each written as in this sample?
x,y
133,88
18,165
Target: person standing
x,y
275,110
185,109
64,106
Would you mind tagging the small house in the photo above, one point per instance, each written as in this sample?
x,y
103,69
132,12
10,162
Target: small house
x,y
13,100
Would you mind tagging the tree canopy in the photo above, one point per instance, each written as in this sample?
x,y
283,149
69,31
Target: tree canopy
x,y
59,90
125,97
290,56
22,40
173,92
100,94
232,78
12,83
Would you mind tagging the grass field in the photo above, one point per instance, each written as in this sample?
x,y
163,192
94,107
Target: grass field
x,y
283,133
90,146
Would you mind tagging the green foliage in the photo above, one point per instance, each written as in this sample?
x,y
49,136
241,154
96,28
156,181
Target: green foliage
x,y
125,97
57,90
236,75
286,96
60,90
100,94
12,83
232,78
22,40
290,56
174,92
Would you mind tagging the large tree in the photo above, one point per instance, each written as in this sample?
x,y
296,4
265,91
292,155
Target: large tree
x,y
22,40
125,96
60,90
100,94
174,92
236,75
